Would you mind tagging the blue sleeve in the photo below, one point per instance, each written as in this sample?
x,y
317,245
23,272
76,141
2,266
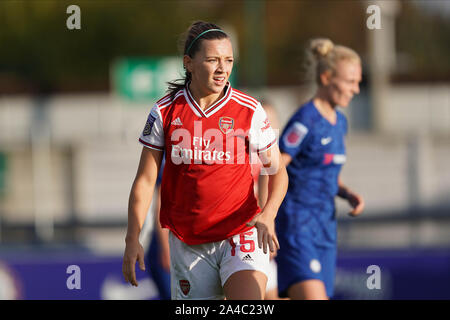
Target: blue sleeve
x,y
293,136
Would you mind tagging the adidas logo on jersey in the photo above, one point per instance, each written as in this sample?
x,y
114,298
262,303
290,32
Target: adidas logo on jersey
x,y
177,122
247,258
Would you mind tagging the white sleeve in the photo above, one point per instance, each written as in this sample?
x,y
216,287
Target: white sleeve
x,y
262,136
153,134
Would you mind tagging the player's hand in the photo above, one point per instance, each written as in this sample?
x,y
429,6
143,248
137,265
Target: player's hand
x,y
356,202
267,237
133,252
273,254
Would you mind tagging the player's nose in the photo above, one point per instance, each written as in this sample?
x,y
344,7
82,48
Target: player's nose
x,y
220,66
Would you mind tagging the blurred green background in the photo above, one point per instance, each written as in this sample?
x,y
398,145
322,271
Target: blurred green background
x,y
40,53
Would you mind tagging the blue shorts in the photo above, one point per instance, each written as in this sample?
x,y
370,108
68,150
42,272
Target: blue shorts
x,y
300,259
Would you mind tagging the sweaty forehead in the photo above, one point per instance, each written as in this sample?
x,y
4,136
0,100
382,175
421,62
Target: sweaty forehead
x,y
216,47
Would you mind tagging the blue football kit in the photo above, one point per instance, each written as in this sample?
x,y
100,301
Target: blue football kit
x,y
306,222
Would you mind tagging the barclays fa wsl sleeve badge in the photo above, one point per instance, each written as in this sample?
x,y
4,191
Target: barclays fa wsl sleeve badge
x,y
150,121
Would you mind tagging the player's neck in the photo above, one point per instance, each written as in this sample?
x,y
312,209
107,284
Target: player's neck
x,y
204,100
325,108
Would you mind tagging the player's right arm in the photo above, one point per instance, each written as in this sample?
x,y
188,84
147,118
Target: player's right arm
x,y
139,202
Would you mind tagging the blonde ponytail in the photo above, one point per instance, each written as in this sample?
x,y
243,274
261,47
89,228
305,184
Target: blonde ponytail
x,y
323,55
321,47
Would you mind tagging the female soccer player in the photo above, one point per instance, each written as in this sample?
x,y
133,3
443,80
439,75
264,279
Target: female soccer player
x,y
312,146
219,237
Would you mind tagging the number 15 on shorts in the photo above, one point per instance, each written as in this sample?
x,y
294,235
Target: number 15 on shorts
x,y
246,242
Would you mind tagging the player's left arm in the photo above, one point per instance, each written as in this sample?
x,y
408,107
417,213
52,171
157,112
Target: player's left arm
x,y
274,169
355,200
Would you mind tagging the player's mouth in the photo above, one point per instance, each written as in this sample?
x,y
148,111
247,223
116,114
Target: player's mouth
x,y
219,81
346,100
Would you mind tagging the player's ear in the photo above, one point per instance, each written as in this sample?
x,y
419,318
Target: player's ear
x,y
187,63
325,77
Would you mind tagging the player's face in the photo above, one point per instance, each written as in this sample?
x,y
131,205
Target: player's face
x,y
344,83
211,66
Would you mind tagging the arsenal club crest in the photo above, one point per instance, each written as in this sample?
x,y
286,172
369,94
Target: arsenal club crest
x,y
185,286
226,124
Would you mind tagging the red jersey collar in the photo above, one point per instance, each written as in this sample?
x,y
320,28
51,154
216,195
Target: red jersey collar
x,y
212,109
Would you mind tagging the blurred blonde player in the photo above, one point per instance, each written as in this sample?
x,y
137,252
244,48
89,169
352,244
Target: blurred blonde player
x,y
313,149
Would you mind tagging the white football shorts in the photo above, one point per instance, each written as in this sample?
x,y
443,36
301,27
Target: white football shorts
x,y
200,271
272,281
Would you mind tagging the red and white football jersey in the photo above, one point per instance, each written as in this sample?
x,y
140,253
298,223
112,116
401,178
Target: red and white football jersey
x,y
207,186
